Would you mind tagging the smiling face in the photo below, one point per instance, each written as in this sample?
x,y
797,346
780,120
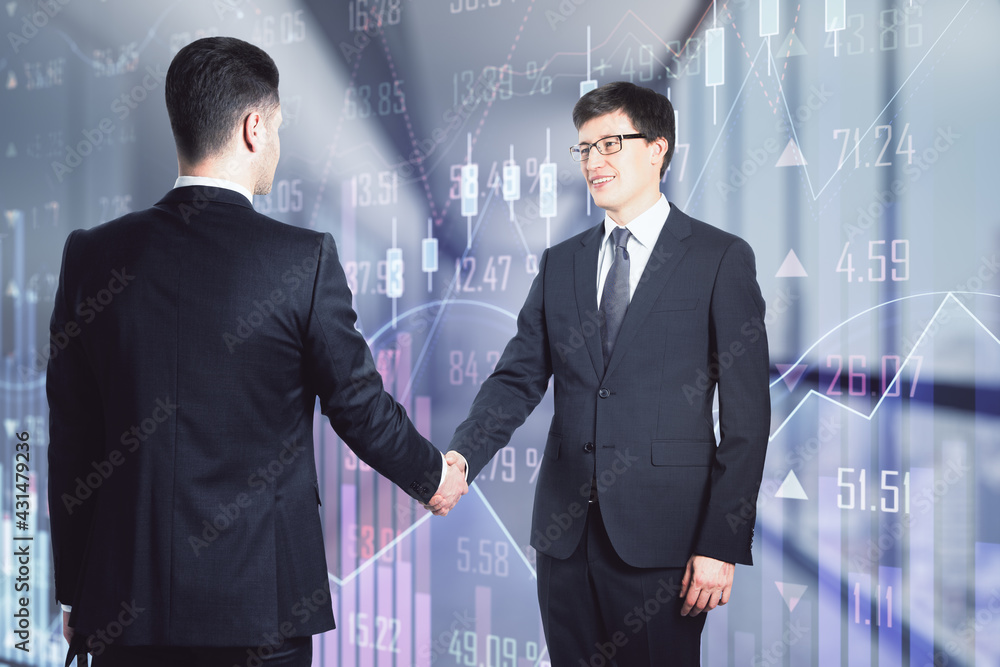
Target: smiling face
x,y
625,183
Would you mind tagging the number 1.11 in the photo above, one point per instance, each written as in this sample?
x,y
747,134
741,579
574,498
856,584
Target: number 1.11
x,y
878,605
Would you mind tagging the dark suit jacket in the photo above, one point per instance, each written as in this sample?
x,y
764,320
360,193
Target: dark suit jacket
x,y
644,427
191,343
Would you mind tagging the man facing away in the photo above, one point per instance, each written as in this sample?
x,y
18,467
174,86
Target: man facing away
x,y
194,390
639,320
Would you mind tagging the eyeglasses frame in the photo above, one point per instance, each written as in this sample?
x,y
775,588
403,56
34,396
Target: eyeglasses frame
x,y
621,144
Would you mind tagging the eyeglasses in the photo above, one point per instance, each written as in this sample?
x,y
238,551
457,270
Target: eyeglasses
x,y
605,146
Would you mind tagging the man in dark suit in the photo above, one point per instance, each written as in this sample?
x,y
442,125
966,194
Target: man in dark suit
x,y
639,514
198,335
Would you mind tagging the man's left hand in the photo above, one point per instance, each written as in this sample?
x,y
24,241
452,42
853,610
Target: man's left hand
x,y
706,584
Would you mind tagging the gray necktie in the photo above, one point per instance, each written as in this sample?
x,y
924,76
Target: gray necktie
x,y
615,297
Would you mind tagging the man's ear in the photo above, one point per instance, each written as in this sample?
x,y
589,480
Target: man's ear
x,y
253,127
661,145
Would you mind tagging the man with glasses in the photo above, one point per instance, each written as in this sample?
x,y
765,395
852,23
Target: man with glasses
x,y
639,514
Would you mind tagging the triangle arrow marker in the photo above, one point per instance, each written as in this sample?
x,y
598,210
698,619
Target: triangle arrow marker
x,y
791,593
791,488
791,374
791,156
791,267
790,46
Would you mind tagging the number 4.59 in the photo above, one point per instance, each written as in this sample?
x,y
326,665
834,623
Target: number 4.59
x,y
898,256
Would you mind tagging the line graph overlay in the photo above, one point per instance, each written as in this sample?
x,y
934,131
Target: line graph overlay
x,y
723,128
948,296
815,195
392,544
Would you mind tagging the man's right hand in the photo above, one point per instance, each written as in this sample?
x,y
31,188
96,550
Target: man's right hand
x,y
452,488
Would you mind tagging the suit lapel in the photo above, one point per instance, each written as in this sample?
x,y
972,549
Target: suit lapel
x,y
585,276
667,254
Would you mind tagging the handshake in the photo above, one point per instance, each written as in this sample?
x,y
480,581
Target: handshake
x,y
452,487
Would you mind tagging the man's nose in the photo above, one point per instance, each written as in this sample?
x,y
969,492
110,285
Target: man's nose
x,y
595,161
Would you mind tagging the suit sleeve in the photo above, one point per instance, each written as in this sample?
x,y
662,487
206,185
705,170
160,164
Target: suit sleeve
x,y
514,388
76,435
350,388
737,333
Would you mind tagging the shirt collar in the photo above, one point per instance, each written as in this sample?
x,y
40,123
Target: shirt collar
x,y
188,181
647,225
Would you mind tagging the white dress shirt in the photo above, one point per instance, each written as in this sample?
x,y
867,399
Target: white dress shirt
x,y
205,181
645,229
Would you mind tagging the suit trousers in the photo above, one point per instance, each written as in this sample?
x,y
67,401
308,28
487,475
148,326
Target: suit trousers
x,y
293,652
598,611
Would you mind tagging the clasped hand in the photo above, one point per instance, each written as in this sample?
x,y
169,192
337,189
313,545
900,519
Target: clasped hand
x,y
453,487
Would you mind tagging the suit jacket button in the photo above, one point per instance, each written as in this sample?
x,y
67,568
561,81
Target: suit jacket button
x,y
604,392
588,447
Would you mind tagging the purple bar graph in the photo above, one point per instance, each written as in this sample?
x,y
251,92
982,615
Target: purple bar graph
x,y
422,584
921,570
745,649
348,536
890,621
404,609
333,521
383,625
987,602
347,239
404,363
345,623
422,418
484,603
859,621
366,616
422,629
348,562
829,565
771,571
714,639
799,633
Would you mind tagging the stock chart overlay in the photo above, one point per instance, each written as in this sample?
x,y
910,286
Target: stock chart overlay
x,y
852,144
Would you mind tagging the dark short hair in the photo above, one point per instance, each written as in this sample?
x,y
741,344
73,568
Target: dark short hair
x,y
211,85
650,112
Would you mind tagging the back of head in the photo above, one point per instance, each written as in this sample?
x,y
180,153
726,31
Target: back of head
x,y
212,84
650,112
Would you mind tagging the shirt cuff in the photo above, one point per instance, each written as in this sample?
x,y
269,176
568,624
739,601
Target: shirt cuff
x,y
65,607
444,471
